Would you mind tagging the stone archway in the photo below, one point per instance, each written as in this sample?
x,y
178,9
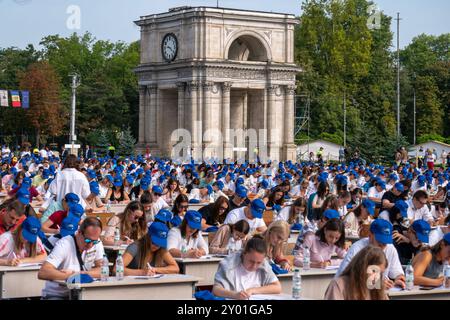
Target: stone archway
x,y
248,46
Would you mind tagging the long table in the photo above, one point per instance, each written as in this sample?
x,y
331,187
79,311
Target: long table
x,y
165,287
20,282
417,294
314,282
204,268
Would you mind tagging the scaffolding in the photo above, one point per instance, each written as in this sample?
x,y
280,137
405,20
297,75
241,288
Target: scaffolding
x,y
302,121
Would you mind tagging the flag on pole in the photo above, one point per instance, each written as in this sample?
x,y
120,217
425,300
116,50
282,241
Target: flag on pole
x,y
4,98
25,99
15,98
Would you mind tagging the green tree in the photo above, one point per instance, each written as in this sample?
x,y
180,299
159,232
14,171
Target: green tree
x,y
126,143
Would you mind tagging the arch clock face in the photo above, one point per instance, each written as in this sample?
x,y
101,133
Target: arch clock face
x,y
169,47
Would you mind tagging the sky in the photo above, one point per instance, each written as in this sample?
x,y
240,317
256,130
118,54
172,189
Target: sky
x,y
28,21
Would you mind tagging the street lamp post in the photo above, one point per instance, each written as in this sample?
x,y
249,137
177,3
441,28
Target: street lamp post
x,y
74,86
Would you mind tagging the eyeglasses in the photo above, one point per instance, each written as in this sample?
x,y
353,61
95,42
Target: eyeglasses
x,y
158,194
223,208
184,207
88,241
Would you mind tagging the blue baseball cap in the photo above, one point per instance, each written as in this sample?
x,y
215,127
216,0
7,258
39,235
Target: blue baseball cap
x,y
194,219
257,208
331,214
144,184
382,184
422,229
30,229
157,189
118,182
158,233
130,179
265,184
240,180
23,195
369,205
69,225
399,186
71,198
421,180
382,230
210,189
220,185
241,192
75,209
164,215
91,174
26,181
45,173
403,207
95,189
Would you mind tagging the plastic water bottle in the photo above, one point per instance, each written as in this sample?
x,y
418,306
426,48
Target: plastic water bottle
x,y
231,246
116,237
184,251
119,267
306,258
133,197
296,284
104,273
108,206
409,276
446,275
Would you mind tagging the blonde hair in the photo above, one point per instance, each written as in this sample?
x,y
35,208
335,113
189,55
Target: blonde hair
x,y
280,227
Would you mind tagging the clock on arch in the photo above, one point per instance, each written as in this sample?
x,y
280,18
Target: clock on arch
x,y
169,47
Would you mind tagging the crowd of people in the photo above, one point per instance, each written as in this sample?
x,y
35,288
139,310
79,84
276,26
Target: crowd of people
x,y
398,214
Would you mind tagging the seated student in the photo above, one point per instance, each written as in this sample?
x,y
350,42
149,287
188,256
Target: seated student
x,y
64,260
227,234
93,201
68,227
275,237
25,182
317,199
246,273
12,214
392,196
276,197
439,232
376,192
239,199
164,216
214,214
343,199
381,236
186,241
22,245
253,213
116,193
396,214
428,265
358,218
412,241
323,244
63,205
294,213
312,227
418,209
439,212
218,190
146,201
352,283
52,225
149,256
179,209
131,224
356,198
158,201
200,195
172,191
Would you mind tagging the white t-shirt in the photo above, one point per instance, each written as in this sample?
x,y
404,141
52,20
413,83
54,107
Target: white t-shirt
x,y
417,214
284,214
176,241
373,193
246,279
238,214
43,153
64,257
295,192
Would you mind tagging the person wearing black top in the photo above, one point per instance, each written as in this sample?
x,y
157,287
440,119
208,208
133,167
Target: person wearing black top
x,y
239,199
214,214
392,196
